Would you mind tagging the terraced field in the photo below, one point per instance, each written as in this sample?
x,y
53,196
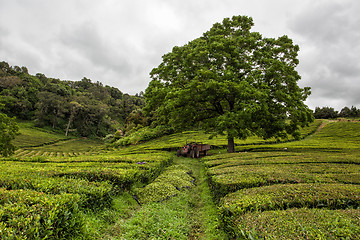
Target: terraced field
x,y
308,189
37,142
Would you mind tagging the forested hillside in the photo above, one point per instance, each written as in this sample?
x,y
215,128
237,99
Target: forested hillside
x,y
84,107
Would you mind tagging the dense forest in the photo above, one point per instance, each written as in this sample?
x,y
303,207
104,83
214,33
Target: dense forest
x,y
84,108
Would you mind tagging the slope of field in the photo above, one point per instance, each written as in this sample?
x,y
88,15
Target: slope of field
x,y
31,136
307,189
37,142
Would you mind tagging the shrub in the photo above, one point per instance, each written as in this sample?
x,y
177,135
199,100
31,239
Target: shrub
x,y
92,194
284,196
26,214
232,178
156,192
167,185
143,134
298,224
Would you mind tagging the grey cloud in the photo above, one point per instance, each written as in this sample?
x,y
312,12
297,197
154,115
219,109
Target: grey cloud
x,y
119,42
330,39
87,41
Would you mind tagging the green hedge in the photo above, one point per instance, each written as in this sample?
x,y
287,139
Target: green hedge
x,y
256,203
92,194
284,196
142,135
26,214
284,156
167,185
230,179
298,224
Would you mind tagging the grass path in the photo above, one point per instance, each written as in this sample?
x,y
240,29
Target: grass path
x,y
203,214
191,214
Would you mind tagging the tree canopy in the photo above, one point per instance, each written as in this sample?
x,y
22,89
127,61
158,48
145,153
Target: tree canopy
x,y
230,81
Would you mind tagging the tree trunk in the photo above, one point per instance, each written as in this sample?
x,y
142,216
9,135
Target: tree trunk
x,y
68,125
231,145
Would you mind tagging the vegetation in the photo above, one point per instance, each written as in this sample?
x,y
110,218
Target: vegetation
x,y
141,135
330,113
27,214
298,223
83,107
8,131
232,82
298,190
191,214
52,196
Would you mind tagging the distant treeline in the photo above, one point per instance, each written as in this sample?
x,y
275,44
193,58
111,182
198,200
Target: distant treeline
x,y
329,112
84,107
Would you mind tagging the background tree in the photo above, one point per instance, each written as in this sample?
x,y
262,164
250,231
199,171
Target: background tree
x,y
345,112
351,113
50,109
325,113
230,81
8,130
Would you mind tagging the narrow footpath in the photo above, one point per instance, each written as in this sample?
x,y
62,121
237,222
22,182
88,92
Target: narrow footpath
x,y
188,214
203,215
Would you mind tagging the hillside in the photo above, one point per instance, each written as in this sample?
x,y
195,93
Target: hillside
x,y
83,108
296,189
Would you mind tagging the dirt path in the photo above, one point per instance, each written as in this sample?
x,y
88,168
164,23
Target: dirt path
x,y
322,125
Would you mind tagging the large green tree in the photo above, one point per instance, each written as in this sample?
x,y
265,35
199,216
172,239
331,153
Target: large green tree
x,y
231,81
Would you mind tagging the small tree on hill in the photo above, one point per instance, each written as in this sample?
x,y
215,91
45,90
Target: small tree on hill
x,y
231,81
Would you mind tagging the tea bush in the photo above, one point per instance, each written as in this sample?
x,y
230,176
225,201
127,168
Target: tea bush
x,y
230,179
284,196
91,182
167,185
143,134
92,194
26,214
298,224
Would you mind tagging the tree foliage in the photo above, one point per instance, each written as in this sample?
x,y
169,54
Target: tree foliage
x,y
330,112
325,113
349,112
230,81
87,107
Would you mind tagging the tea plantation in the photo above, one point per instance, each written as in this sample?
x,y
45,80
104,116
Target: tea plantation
x,y
70,188
307,189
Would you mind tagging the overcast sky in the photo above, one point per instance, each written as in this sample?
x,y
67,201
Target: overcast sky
x,y
118,42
